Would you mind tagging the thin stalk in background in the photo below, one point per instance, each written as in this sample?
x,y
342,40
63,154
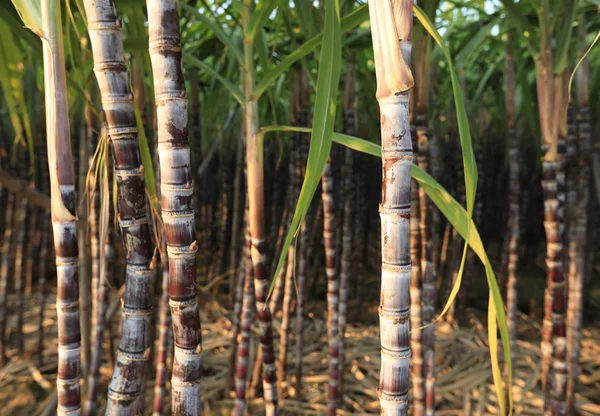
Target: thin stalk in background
x,y
332,292
514,195
255,183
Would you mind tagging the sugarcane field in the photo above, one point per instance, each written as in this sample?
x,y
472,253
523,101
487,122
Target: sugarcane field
x,y
298,207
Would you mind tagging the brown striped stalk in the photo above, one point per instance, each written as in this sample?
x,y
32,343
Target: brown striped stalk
x,y
391,28
332,291
95,260
243,346
416,320
33,236
346,248
514,195
427,272
21,227
236,321
45,246
256,220
237,209
219,261
434,164
552,112
126,386
426,313
12,206
160,380
288,294
177,208
295,172
360,224
62,194
99,323
44,243
301,295
279,284
578,245
303,248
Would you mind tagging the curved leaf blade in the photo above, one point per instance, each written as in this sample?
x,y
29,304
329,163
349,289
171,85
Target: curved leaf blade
x,y
323,122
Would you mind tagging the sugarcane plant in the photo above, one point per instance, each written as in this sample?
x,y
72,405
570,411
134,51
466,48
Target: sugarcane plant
x,y
44,19
126,387
391,30
177,208
551,82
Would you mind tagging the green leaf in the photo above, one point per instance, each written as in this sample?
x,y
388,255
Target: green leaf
x,y
259,16
358,16
518,19
461,115
218,31
483,81
470,168
235,91
475,42
330,65
30,12
10,82
564,39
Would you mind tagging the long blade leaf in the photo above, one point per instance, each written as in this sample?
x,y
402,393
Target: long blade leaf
x,y
323,122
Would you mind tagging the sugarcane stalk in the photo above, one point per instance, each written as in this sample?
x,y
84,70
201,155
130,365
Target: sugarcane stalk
x,y
33,248
423,286
578,254
84,254
333,340
176,201
277,294
126,386
243,347
427,273
255,184
551,91
99,316
301,288
347,249
62,194
391,28
160,381
44,243
416,300
513,231
13,205
21,227
236,321
288,294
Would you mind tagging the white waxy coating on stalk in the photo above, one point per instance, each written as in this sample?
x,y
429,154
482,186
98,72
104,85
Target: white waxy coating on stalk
x,y
396,265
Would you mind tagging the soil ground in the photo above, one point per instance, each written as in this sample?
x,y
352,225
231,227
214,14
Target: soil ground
x,y
463,384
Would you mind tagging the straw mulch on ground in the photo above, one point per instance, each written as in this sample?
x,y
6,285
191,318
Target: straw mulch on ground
x,y
463,384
